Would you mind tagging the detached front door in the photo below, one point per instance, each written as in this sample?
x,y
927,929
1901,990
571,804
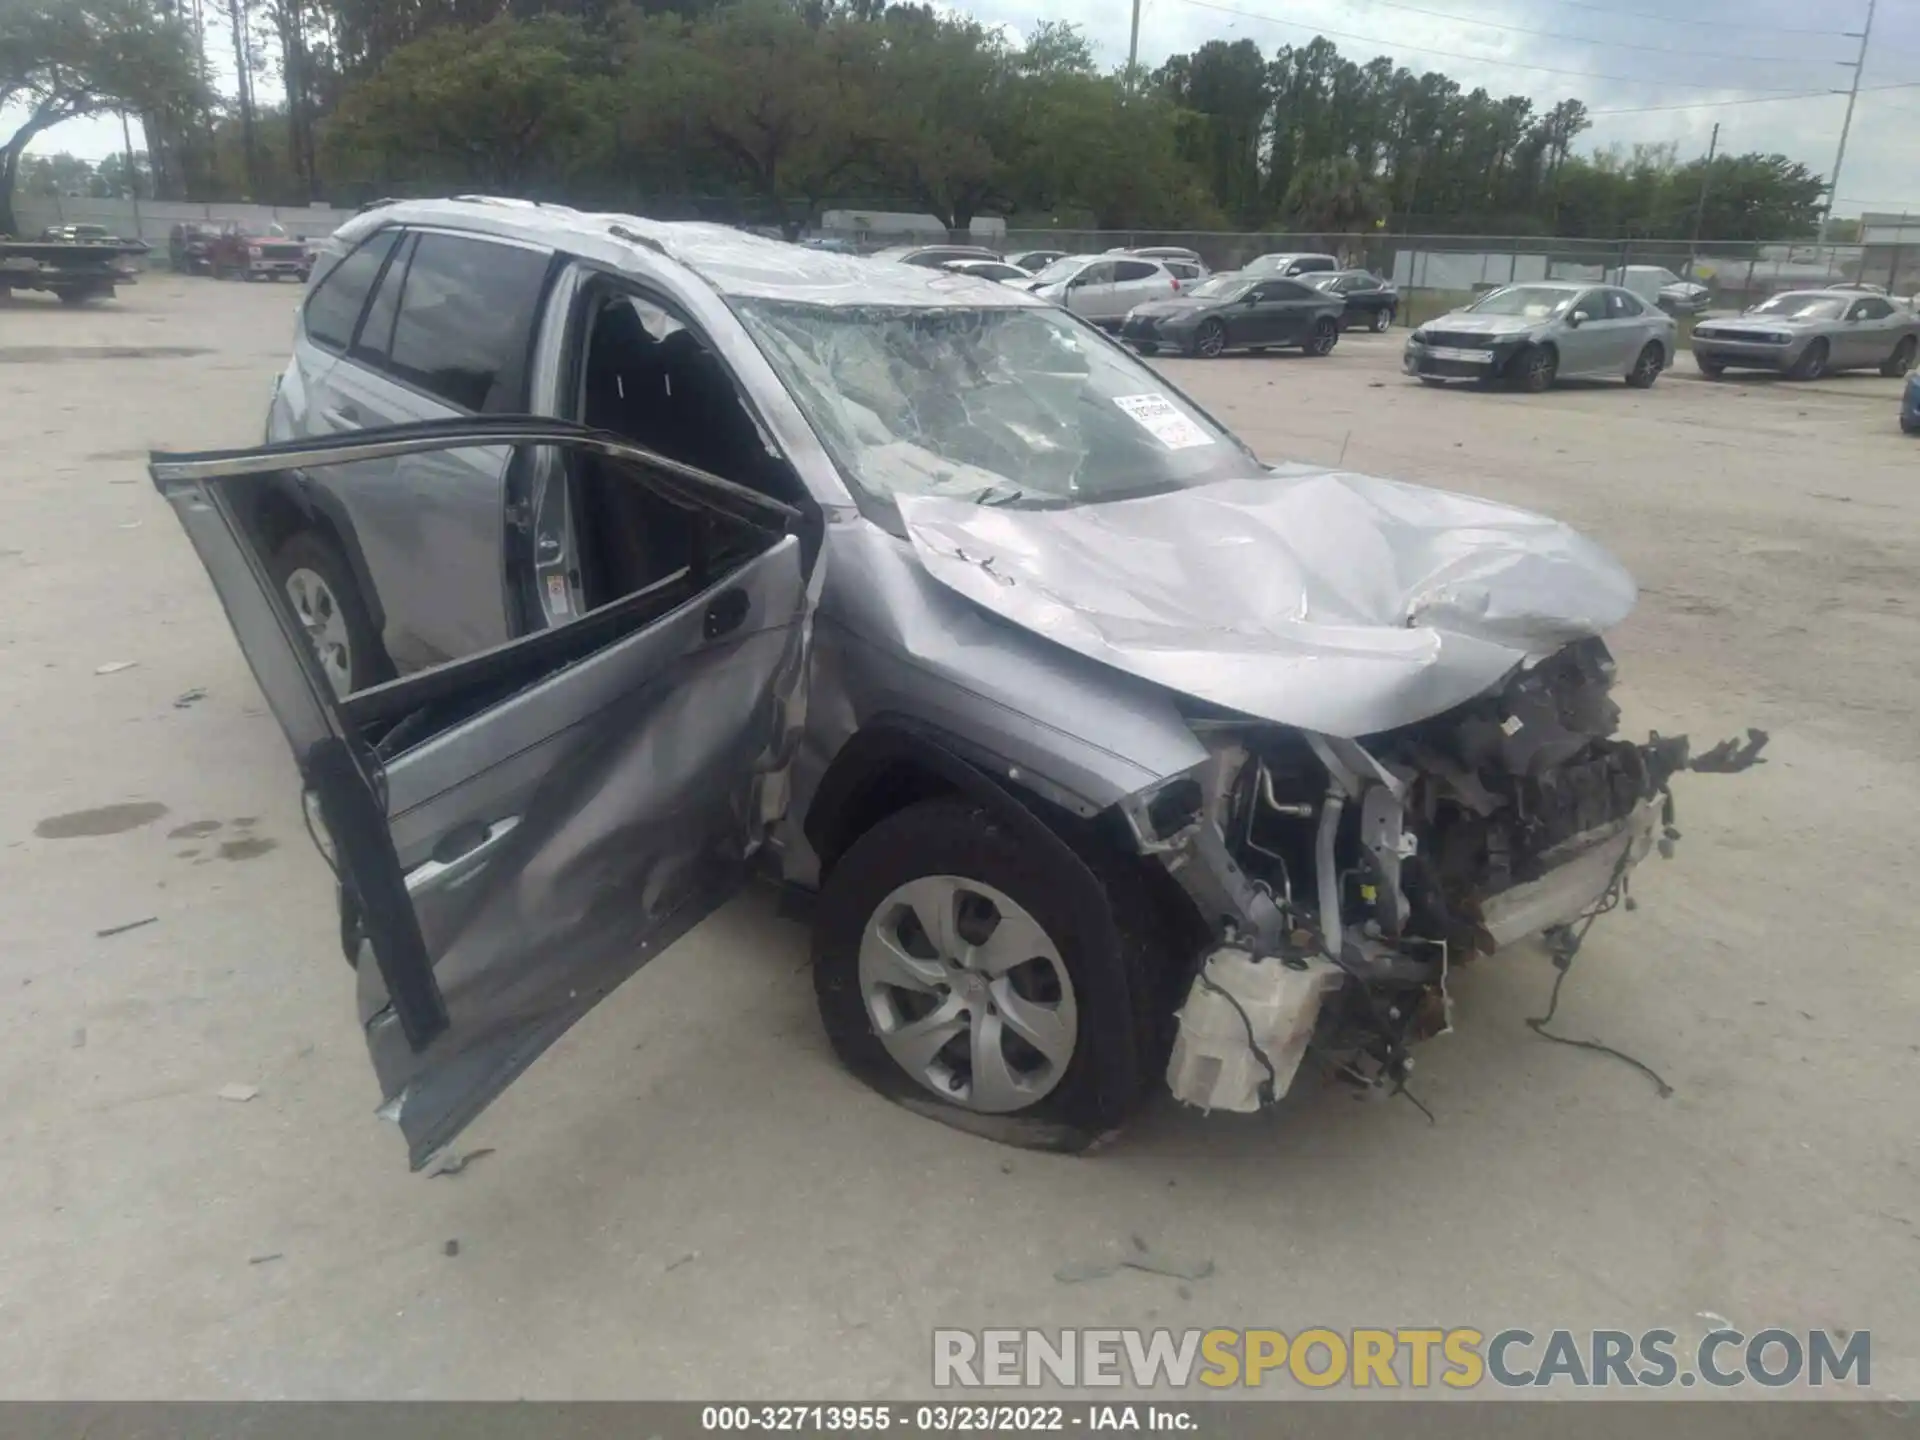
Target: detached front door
x,y
519,829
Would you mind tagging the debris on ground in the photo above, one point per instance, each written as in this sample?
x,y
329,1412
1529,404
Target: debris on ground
x,y
265,1259
454,1164
114,667
189,697
79,1041
685,1259
451,1248
1138,1255
130,925
239,1094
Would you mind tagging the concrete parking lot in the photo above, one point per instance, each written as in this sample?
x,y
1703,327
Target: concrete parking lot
x,y
687,1197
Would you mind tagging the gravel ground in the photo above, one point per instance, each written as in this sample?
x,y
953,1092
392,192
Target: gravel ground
x,y
688,1198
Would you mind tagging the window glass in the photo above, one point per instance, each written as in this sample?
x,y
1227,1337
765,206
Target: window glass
x,y
376,330
1620,305
1874,309
1097,274
1285,290
335,304
465,317
1134,270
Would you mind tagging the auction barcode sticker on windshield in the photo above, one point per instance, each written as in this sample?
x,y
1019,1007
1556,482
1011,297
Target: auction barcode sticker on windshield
x,y
1166,424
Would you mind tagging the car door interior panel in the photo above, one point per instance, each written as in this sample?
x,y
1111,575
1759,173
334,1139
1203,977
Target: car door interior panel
x,y
518,830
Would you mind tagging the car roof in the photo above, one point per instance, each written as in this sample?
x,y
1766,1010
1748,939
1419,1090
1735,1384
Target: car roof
x,y
730,262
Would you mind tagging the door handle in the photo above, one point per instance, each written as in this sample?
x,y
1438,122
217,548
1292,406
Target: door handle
x,y
345,414
726,613
460,854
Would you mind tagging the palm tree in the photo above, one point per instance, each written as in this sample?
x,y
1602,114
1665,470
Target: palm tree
x,y
1334,197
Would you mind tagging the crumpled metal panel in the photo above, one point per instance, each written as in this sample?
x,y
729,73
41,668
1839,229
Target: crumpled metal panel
x,y
1315,598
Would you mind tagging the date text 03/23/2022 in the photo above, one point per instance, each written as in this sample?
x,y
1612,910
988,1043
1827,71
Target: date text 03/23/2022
x,y
946,1419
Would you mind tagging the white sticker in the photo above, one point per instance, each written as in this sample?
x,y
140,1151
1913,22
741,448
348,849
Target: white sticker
x,y
559,602
1513,725
1159,417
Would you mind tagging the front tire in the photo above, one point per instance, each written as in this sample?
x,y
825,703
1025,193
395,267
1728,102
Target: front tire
x,y
1812,363
1712,369
1146,347
984,976
1326,334
1901,361
1647,367
1210,339
319,587
1534,369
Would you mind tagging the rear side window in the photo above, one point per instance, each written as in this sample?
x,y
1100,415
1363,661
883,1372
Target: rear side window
x,y
466,317
335,304
376,331
1134,270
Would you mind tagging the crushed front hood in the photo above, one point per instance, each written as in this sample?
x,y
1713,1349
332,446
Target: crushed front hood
x,y
1315,598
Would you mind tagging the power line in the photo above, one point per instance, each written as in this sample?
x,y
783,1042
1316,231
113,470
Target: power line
x,y
1589,40
1716,104
1679,20
1456,55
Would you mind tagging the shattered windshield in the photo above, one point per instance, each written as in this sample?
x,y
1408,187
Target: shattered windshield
x,y
1012,405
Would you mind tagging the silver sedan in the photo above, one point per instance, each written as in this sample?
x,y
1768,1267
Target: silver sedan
x,y
1533,334
1805,334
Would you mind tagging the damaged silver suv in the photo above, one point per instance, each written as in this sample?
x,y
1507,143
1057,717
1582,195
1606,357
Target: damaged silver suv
x,y
595,565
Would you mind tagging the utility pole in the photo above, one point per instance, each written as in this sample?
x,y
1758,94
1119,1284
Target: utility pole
x,y
1853,95
133,174
1133,43
1700,213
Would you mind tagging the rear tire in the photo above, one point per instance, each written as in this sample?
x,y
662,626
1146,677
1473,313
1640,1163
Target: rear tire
x,y
1647,367
1382,322
1901,361
1081,924
1812,363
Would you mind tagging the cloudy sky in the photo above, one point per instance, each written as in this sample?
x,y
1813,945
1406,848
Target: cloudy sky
x,y
1650,70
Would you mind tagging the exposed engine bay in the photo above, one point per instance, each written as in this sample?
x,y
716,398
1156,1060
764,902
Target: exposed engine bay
x,y
1392,859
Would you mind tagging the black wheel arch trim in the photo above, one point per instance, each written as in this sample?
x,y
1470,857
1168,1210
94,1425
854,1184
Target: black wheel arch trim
x,y
850,797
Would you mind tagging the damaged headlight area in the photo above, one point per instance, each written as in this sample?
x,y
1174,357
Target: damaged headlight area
x,y
1345,878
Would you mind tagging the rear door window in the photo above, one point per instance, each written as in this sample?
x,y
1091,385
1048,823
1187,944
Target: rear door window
x,y
1621,305
1124,270
466,318
335,305
375,337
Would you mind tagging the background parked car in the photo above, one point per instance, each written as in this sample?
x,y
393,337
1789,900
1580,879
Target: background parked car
x,y
189,248
1103,288
999,270
1034,261
244,252
1371,302
1804,334
1910,404
932,257
1183,264
1286,265
1659,286
1237,312
1534,334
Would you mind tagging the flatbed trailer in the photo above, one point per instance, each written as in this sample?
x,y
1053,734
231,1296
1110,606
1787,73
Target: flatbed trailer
x,y
74,270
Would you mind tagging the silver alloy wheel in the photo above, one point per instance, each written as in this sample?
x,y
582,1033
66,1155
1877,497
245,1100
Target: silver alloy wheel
x,y
1382,321
968,993
318,611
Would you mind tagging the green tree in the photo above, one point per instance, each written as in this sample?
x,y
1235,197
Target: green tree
x,y
498,107
1334,197
61,59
